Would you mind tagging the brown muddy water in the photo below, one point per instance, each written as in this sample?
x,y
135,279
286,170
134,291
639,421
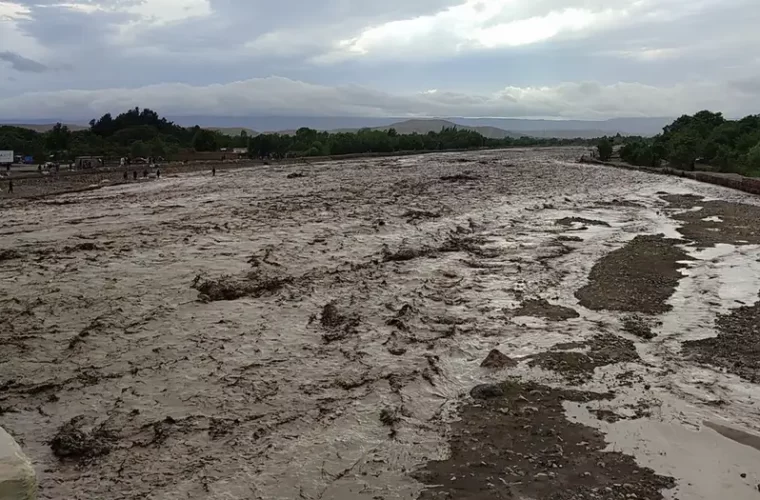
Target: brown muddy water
x,y
263,335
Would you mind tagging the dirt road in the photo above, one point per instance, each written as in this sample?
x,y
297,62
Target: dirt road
x,y
506,324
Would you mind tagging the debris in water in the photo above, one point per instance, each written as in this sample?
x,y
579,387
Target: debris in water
x,y
83,247
496,359
569,221
389,418
9,254
255,284
72,441
486,391
578,367
405,253
415,215
638,326
459,178
541,308
337,325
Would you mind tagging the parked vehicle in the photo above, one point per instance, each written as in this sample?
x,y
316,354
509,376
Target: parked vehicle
x,y
6,156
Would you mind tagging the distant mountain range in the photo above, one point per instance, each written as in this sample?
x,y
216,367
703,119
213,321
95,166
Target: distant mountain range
x,y
423,126
489,127
496,128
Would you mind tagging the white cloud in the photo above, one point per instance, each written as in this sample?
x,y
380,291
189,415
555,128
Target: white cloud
x,y
167,11
10,11
148,11
275,95
11,37
647,54
481,24
466,49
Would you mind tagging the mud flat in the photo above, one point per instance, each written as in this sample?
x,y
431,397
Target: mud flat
x,y
639,277
501,324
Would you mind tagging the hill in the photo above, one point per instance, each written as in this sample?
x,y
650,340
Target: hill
x,y
513,126
45,127
423,126
570,129
233,131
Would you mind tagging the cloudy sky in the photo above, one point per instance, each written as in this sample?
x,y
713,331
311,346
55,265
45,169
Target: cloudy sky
x,y
507,58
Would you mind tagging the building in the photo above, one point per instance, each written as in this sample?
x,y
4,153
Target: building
x,y
88,162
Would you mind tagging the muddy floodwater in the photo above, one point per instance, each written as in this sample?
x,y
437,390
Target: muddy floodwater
x,y
490,325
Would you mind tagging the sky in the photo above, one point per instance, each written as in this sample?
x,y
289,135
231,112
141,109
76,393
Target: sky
x,y
561,59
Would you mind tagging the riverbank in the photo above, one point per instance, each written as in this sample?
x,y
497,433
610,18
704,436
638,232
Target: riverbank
x,y
733,181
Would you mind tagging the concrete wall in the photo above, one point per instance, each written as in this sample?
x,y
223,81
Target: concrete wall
x,y
17,478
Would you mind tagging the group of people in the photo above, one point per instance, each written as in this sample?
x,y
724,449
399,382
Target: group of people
x,y
125,176
144,174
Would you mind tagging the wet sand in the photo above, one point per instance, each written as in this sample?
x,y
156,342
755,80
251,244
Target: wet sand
x,y
259,335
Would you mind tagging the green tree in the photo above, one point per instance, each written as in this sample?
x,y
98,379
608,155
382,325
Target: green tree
x,y
604,148
684,149
157,148
138,149
204,140
752,161
58,138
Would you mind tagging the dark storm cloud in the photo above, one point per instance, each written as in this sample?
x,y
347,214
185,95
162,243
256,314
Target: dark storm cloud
x,y
21,63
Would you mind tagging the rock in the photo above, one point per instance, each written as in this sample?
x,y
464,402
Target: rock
x,y
17,479
486,391
496,359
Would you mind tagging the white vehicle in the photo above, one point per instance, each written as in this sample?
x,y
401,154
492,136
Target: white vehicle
x,y
6,156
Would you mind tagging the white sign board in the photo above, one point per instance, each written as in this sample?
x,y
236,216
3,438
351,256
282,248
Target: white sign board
x,y
6,156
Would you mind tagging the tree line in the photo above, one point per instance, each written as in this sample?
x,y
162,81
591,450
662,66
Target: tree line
x,y
310,142
134,133
705,140
142,132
